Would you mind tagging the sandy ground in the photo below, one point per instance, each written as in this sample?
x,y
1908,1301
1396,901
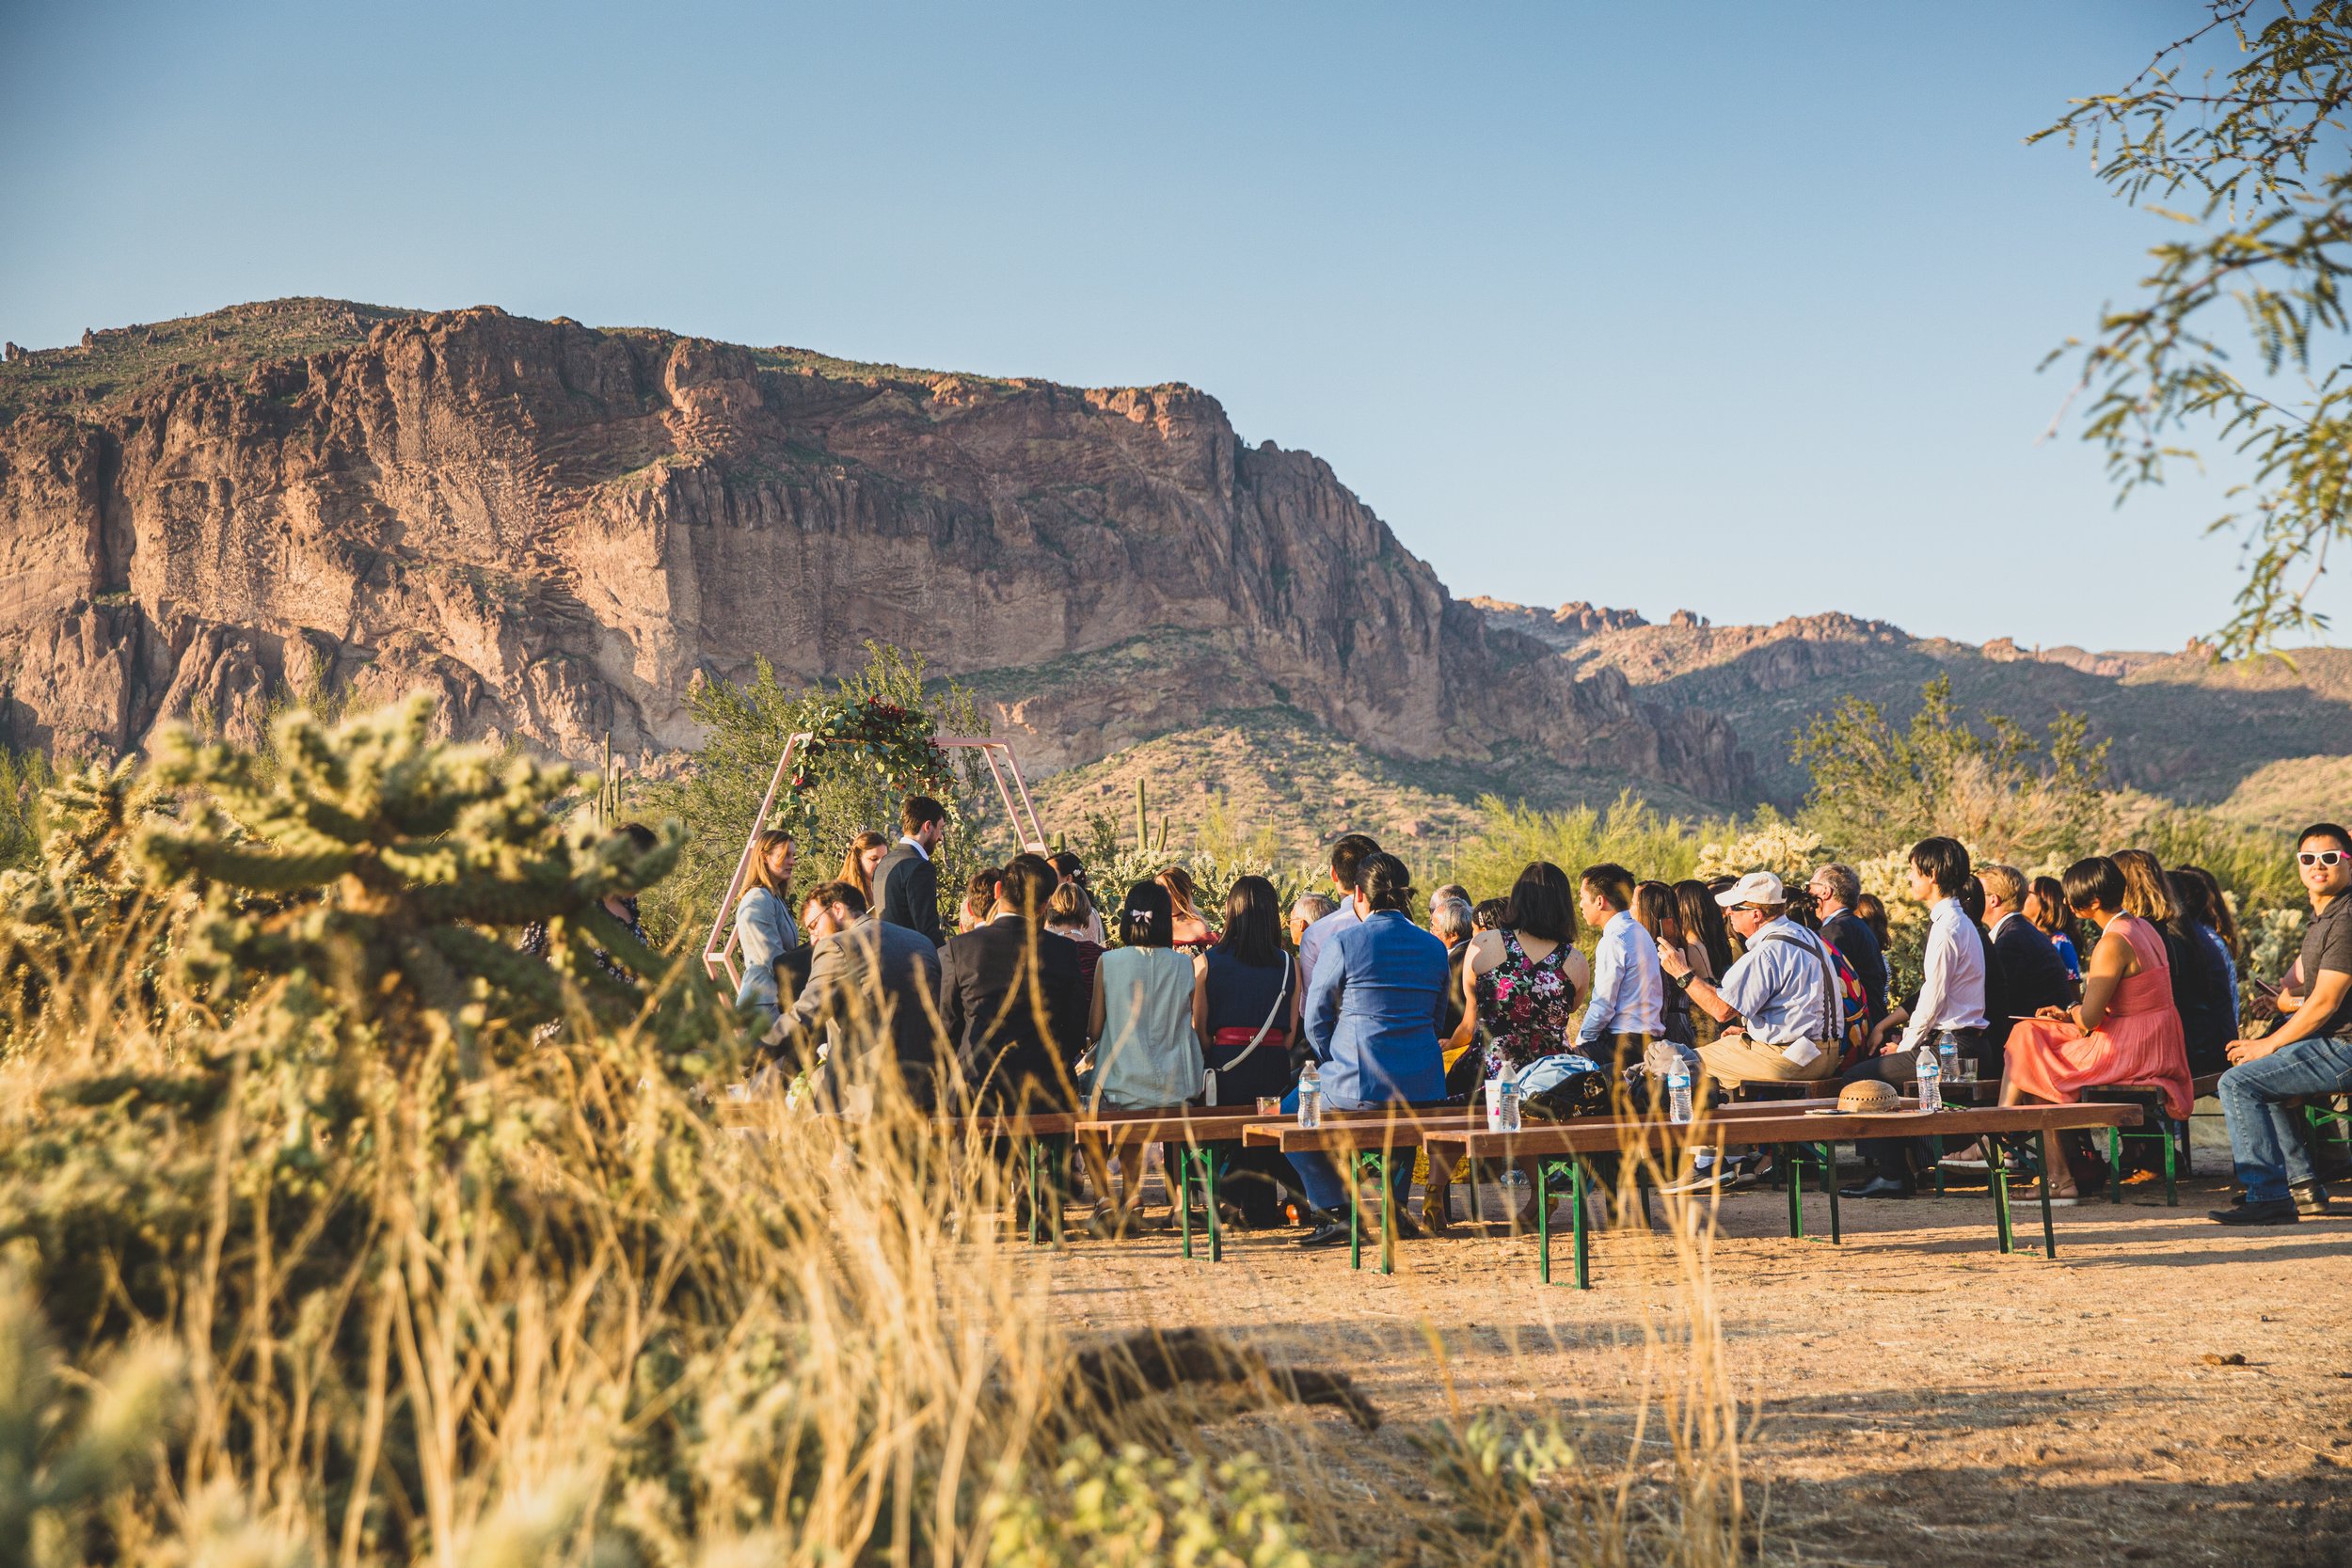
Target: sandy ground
x,y
1914,1396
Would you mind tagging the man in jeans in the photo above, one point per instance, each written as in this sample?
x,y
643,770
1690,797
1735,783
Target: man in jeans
x,y
2308,1055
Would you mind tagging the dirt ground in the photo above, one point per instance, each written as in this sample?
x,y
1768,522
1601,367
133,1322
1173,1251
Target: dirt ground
x,y
1914,1396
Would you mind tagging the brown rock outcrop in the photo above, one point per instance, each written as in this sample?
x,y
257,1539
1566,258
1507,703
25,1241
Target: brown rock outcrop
x,y
558,529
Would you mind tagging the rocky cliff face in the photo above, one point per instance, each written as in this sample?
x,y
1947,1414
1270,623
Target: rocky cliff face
x,y
560,529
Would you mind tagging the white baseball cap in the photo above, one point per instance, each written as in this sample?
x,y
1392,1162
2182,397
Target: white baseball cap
x,y
1757,887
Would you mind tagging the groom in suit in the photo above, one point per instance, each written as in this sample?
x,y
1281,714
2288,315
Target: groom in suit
x,y
906,883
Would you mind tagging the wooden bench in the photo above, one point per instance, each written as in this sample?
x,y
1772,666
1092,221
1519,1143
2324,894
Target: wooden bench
x,y
1560,1149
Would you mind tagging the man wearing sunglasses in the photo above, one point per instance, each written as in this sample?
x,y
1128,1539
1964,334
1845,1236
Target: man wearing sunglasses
x,y
2310,1053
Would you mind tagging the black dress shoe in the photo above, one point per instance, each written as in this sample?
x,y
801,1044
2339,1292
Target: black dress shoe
x,y
1878,1186
2280,1210
1330,1233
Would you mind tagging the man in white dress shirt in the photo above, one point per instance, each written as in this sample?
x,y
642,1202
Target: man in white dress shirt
x,y
1951,1004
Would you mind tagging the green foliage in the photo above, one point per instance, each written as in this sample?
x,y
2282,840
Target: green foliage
x,y
2258,151
744,731
1142,1511
2000,792
1630,832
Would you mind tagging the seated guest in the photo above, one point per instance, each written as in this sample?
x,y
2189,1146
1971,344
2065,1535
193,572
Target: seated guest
x,y
1951,1005
1782,1004
1370,1021
1072,872
980,899
2046,906
1308,908
857,867
906,882
2307,1058
763,926
1836,888
1146,1052
1009,1000
1347,855
1629,1005
1703,926
2211,1023
1194,934
864,1011
2199,984
1244,1007
1070,913
2123,1031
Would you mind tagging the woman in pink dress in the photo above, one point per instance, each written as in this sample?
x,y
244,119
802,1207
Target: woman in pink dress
x,y
2123,1031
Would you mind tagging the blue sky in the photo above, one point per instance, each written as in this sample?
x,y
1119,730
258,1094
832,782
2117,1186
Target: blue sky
x,y
1734,307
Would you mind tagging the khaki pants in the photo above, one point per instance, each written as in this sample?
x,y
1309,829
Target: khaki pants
x,y
1736,1059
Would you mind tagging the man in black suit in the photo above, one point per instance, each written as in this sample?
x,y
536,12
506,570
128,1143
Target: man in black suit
x,y
2025,973
1011,999
1835,887
869,991
906,883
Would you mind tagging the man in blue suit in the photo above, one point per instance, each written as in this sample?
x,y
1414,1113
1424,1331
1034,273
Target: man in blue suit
x,y
1370,1020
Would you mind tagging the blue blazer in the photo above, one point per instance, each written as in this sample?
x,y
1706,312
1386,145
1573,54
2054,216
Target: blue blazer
x,y
1372,1013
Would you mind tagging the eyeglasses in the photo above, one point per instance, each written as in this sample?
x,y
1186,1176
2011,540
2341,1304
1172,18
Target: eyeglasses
x,y
2320,857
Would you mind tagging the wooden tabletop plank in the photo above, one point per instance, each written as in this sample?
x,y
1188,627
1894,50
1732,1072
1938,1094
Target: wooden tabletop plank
x,y
1595,1135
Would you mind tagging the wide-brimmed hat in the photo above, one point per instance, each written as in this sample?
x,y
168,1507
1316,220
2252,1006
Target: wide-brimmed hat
x,y
1757,887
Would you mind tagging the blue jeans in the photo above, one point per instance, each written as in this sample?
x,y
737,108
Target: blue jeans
x,y
2265,1137
1321,1181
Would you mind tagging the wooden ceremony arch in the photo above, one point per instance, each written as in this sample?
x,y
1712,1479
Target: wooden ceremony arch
x,y
719,948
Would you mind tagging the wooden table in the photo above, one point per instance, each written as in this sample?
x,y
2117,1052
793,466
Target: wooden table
x,y
1559,1149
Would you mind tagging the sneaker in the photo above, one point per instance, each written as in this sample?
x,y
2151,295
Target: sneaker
x,y
2276,1212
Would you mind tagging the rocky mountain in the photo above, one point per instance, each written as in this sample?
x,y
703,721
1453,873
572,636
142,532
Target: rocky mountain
x,y
561,528
2263,739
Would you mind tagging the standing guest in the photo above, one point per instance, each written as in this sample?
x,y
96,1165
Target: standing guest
x,y
1370,1020
1246,998
2046,906
1703,920
1193,933
1836,888
1951,1005
1072,872
1009,1000
1661,915
1070,913
2199,982
1305,912
2307,1058
2194,894
1348,857
1521,982
906,883
2123,1031
1146,1054
1871,910
1629,1005
980,899
763,925
857,867
867,999
2026,974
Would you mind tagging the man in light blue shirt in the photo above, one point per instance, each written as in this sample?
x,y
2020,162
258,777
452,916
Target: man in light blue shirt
x,y
1629,1005
1347,856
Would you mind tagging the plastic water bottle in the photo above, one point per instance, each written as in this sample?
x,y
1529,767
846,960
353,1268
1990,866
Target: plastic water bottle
x,y
1678,1091
1947,1062
1310,1098
1502,1103
1931,1080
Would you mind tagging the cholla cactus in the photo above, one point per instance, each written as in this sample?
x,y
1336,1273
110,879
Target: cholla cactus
x,y
1781,848
392,859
